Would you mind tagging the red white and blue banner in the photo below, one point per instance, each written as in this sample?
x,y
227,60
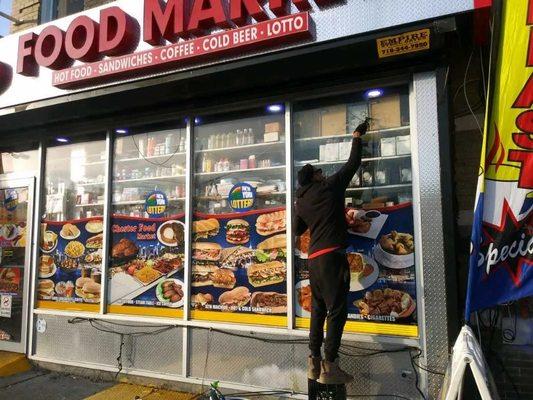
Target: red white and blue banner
x,y
502,245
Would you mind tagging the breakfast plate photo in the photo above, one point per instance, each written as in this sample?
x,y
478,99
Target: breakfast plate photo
x,y
364,271
171,233
170,292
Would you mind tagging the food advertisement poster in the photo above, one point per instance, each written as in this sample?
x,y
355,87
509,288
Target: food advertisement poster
x,y
147,263
239,271
382,297
70,264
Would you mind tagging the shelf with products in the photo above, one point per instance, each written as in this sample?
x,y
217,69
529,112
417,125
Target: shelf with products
x,y
399,131
241,148
367,159
140,159
150,179
384,187
235,171
258,195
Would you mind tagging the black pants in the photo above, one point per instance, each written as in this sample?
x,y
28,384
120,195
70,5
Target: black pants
x,y
329,276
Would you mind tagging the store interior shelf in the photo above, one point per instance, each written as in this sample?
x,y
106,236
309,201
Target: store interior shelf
x,y
235,171
219,198
99,204
384,187
153,178
133,202
91,184
137,159
301,163
244,147
391,131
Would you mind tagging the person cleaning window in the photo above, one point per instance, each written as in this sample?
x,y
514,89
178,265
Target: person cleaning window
x,y
320,208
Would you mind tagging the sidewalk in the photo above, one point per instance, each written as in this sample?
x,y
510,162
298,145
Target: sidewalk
x,y
46,385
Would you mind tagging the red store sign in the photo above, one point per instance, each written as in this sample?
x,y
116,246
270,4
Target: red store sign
x,y
117,34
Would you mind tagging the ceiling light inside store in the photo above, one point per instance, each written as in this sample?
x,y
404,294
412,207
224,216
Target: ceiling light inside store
x,y
275,108
121,131
373,93
62,140
197,120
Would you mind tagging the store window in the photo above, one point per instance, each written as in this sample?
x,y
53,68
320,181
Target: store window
x,y
54,9
6,7
148,220
70,259
21,163
239,229
382,297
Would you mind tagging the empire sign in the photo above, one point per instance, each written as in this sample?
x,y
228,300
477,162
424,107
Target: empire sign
x,y
106,48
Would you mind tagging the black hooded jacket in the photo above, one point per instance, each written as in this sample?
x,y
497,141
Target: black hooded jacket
x,y
320,205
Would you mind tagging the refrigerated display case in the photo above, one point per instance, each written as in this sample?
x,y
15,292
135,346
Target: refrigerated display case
x,y
70,248
378,205
147,238
239,242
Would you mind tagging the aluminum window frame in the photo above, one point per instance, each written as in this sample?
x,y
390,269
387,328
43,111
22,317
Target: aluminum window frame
x,y
417,125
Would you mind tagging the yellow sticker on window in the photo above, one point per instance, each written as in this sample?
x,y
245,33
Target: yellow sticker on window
x,y
408,42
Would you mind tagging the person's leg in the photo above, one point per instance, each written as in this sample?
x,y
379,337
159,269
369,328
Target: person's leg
x,y
318,311
335,285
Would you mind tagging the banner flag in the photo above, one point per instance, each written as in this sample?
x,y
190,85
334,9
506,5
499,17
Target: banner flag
x,y
500,266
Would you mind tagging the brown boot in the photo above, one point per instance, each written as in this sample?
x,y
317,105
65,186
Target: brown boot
x,y
313,367
332,374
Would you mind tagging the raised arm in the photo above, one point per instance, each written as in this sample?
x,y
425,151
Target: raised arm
x,y
341,179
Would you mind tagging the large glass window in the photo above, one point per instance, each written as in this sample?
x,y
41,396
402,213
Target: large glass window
x,y
6,6
70,258
378,205
148,216
239,240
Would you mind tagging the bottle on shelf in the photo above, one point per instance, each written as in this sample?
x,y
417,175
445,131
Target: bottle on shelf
x,y
251,161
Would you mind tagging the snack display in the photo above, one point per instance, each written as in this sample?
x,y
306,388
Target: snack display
x,y
206,251
236,257
380,256
267,273
94,226
171,233
238,297
202,274
302,243
237,231
358,223
70,231
205,228
200,300
269,303
48,241
388,302
124,248
398,243
74,249
74,257
95,242
268,224
304,297
170,291
223,278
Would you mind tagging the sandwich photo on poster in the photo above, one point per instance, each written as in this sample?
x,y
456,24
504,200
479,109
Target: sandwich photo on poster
x,y
70,261
147,262
239,268
381,259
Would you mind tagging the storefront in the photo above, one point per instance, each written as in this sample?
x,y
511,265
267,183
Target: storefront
x,y
163,181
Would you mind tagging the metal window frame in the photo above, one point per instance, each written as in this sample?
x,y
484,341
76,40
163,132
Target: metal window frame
x,y
419,141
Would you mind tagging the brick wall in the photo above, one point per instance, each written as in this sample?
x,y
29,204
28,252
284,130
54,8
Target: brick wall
x,y
26,10
29,10
96,3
